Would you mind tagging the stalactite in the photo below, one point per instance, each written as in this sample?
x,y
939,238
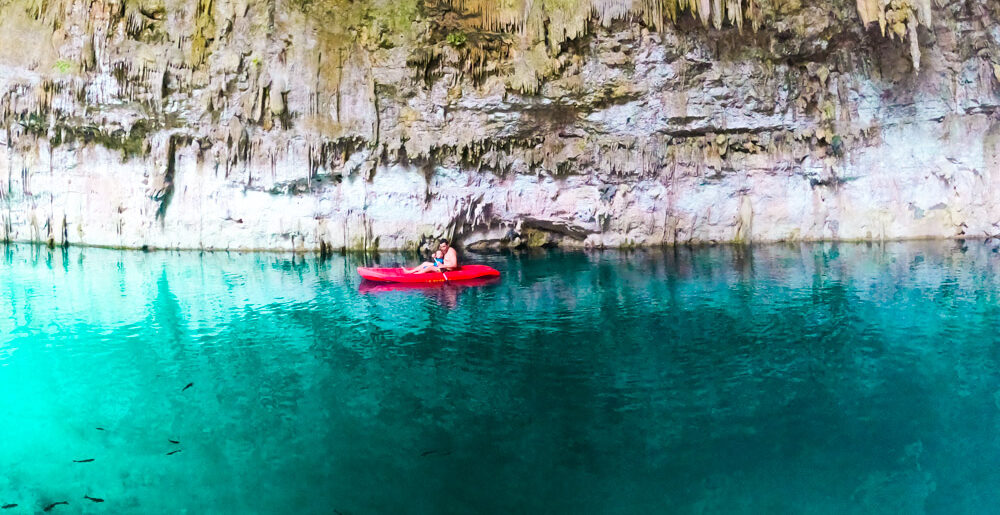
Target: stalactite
x,y
898,18
544,25
567,19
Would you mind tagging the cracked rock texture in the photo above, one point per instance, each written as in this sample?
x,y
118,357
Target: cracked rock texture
x,y
319,125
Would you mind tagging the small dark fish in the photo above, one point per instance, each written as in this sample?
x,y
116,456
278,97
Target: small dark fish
x,y
173,441
9,506
53,505
99,428
95,499
428,453
174,452
88,460
189,385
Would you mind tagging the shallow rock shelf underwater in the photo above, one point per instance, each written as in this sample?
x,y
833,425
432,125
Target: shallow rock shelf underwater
x,y
828,378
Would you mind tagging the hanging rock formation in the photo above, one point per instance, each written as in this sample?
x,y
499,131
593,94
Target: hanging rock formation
x,y
326,124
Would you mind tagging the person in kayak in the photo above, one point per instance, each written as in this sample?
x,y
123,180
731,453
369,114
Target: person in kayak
x,y
444,260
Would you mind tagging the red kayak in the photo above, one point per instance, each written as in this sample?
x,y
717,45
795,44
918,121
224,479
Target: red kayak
x,y
397,275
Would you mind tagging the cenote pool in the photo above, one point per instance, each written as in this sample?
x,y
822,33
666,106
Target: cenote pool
x,y
820,378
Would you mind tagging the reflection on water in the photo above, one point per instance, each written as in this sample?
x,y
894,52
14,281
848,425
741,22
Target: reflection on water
x,y
846,378
445,293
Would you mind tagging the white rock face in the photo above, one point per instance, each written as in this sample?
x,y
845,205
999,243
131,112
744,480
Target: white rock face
x,y
640,138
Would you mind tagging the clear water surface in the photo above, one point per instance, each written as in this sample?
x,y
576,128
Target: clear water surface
x,y
823,378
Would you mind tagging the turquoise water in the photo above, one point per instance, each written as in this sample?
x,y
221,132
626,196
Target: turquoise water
x,y
785,379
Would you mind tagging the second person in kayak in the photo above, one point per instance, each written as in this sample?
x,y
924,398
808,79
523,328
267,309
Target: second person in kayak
x,y
444,260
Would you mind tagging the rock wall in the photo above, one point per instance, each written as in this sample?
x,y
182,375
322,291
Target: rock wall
x,y
327,124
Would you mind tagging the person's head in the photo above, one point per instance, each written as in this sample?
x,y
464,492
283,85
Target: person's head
x,y
443,245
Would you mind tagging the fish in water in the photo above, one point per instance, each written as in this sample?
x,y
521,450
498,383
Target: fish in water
x,y
173,452
189,385
88,460
95,499
9,506
53,505
428,453
99,428
173,441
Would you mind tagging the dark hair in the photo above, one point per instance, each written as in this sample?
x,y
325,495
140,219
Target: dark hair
x,y
443,240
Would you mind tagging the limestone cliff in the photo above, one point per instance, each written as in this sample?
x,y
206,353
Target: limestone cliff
x,y
323,124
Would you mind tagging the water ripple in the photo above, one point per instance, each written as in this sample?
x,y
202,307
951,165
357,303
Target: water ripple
x,y
842,377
